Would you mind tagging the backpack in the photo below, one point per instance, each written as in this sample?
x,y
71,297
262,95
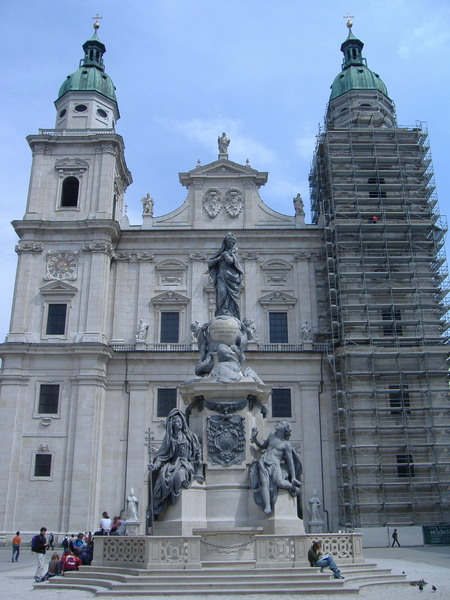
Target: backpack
x,y
71,563
36,544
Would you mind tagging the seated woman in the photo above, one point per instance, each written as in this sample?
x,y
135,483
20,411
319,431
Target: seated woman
x,y
54,567
178,458
318,559
70,562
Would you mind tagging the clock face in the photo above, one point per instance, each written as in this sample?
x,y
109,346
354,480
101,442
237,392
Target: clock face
x,y
62,265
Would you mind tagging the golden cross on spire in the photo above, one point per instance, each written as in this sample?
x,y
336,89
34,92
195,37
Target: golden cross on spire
x,y
348,17
96,18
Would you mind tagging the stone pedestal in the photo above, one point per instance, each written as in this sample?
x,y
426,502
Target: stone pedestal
x,y
133,527
223,415
316,526
284,519
187,514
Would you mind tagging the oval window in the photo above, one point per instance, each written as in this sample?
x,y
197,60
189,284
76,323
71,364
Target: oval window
x,y
81,107
62,113
102,113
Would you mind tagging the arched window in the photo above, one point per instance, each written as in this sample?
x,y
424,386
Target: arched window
x,y
69,194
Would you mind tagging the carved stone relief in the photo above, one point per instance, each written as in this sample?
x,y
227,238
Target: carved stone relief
x,y
234,202
97,247
276,274
171,273
212,202
22,247
226,439
122,549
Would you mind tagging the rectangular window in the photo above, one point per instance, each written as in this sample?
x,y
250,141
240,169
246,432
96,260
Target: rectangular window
x,y
278,328
394,315
43,465
48,399
56,319
281,403
399,400
170,324
405,465
167,399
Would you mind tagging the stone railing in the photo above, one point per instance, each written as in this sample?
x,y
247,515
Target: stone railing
x,y
75,132
146,552
144,347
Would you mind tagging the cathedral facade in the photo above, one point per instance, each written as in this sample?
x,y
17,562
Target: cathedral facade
x,y
346,315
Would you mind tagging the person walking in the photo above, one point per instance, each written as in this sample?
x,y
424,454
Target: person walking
x,y
39,546
51,542
395,539
16,541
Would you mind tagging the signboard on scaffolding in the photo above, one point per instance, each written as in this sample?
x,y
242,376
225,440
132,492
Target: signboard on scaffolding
x,y
437,535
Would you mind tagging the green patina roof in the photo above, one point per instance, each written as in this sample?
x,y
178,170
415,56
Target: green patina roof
x,y
91,74
355,73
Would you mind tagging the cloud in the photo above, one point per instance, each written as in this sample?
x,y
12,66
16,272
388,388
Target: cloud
x,y
305,145
242,146
429,36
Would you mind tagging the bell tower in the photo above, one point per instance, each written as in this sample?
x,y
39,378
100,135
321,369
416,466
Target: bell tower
x,y
79,170
74,209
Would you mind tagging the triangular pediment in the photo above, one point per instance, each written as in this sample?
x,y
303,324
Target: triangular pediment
x,y
223,168
170,297
58,288
71,164
278,299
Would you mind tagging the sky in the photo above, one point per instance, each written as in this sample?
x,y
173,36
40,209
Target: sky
x,y
187,70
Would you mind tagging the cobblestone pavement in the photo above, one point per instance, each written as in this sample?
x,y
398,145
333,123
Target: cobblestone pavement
x,y
430,563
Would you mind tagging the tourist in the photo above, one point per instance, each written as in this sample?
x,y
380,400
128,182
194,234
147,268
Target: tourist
x,y
119,527
54,567
395,539
105,524
79,544
39,547
318,559
16,541
70,562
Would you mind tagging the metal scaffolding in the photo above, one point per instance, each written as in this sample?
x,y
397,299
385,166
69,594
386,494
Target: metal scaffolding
x,y
373,191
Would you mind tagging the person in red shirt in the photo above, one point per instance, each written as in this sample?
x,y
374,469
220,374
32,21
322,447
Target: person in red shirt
x,y
17,540
69,562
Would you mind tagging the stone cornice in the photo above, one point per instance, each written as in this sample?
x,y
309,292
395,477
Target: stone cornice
x,y
104,227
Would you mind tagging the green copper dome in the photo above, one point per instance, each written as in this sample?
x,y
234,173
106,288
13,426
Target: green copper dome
x,y
355,74
91,74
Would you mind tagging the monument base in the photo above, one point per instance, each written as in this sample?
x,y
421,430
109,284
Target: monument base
x,y
187,514
242,548
284,519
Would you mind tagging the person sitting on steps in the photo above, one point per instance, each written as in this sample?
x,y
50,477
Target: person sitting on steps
x,y
318,559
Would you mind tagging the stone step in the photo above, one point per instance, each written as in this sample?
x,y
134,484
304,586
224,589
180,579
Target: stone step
x,y
188,576
222,568
188,579
98,591
225,580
